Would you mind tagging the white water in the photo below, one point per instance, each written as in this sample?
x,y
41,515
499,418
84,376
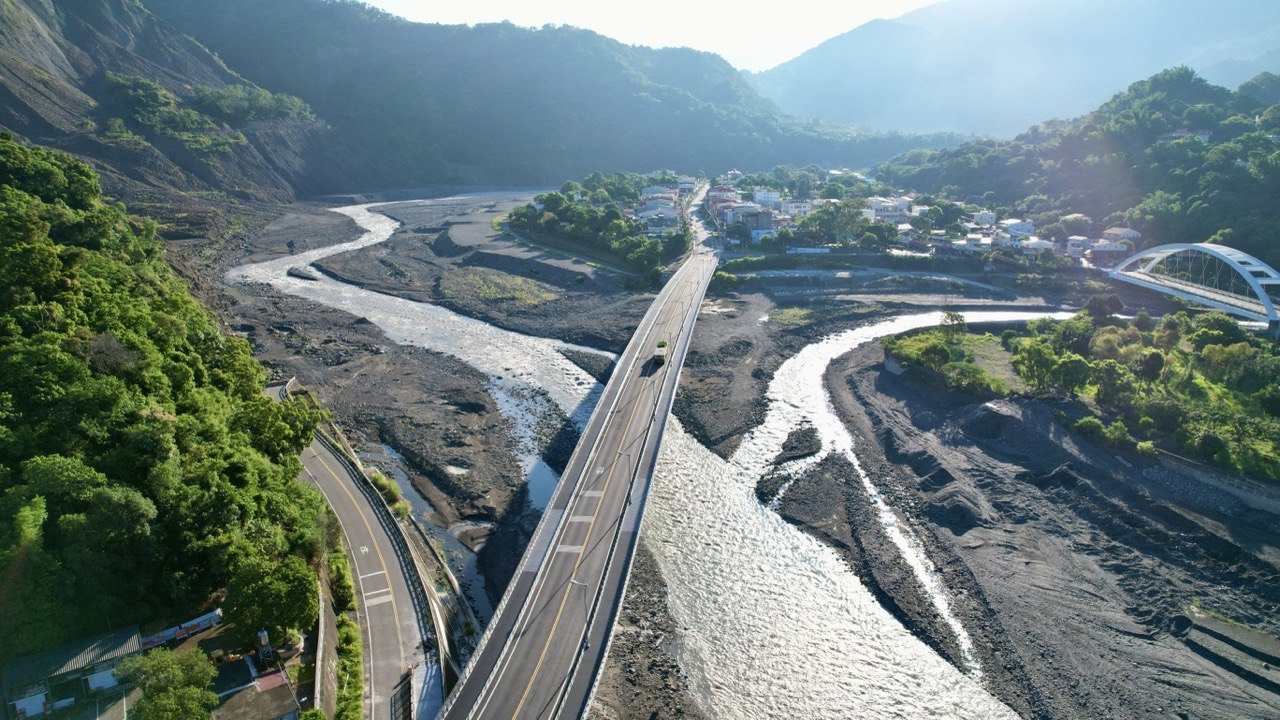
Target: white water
x,y
772,622
526,373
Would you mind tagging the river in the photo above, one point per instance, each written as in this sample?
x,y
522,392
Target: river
x,y
772,623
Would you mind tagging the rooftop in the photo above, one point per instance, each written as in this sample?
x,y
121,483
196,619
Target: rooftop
x,y
71,657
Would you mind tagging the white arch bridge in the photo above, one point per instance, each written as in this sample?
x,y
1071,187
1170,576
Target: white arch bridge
x,y
1216,276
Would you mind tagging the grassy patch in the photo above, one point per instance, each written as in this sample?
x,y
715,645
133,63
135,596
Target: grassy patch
x,y
493,287
960,361
791,316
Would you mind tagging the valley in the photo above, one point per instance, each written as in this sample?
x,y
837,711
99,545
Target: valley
x,y
355,367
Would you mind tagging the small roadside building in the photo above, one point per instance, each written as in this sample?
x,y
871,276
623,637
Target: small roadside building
x,y
1120,234
59,678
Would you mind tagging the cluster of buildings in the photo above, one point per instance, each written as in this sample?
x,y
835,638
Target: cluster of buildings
x,y
84,672
662,206
984,233
766,213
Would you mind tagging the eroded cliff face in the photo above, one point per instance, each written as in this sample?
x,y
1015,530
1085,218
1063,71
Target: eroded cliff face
x,y
57,61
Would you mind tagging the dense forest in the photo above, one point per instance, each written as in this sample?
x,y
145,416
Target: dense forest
x,y
1122,165
142,469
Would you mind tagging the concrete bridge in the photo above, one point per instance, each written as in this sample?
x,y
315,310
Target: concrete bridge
x,y
1215,276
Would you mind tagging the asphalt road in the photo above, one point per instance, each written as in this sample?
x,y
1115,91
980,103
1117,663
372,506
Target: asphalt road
x,y
549,640
390,608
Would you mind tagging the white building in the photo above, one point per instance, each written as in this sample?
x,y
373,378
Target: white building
x,y
656,191
796,208
889,210
984,218
1014,226
1034,245
687,184
768,198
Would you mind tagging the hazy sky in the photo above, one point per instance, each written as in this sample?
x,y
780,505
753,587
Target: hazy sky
x,y
751,35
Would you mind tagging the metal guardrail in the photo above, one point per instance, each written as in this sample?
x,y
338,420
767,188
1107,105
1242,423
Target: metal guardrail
x,y
341,447
347,457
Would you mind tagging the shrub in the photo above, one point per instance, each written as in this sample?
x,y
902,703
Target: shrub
x,y
1090,428
1117,435
350,671
340,584
969,378
1147,448
934,355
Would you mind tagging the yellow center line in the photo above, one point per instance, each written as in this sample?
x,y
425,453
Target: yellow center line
x,y
395,613
586,543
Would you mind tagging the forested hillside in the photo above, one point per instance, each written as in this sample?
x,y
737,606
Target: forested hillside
x,y
1122,164
504,104
141,466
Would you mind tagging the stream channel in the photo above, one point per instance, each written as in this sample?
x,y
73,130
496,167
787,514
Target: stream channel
x,y
771,622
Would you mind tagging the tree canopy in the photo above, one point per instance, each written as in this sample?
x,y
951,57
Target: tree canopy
x,y
174,686
1127,164
139,461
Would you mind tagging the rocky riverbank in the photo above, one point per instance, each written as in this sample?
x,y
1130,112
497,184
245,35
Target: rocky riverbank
x,y
641,678
1078,570
1089,584
439,415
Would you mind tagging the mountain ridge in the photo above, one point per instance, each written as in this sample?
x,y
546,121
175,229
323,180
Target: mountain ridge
x,y
997,66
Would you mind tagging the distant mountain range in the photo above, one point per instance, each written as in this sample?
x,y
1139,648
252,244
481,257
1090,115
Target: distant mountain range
x,y
997,66
269,100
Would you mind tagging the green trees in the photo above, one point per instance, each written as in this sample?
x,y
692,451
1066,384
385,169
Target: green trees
x,y
1117,165
162,113
1034,362
934,355
1102,307
840,222
583,215
1114,381
277,597
1070,373
174,687
239,104
137,455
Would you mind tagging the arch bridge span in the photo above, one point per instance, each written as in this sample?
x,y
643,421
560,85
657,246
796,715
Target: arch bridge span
x,y
1212,275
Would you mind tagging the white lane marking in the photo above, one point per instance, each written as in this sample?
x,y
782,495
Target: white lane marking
x,y
369,575
581,518
569,549
377,601
377,592
591,493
